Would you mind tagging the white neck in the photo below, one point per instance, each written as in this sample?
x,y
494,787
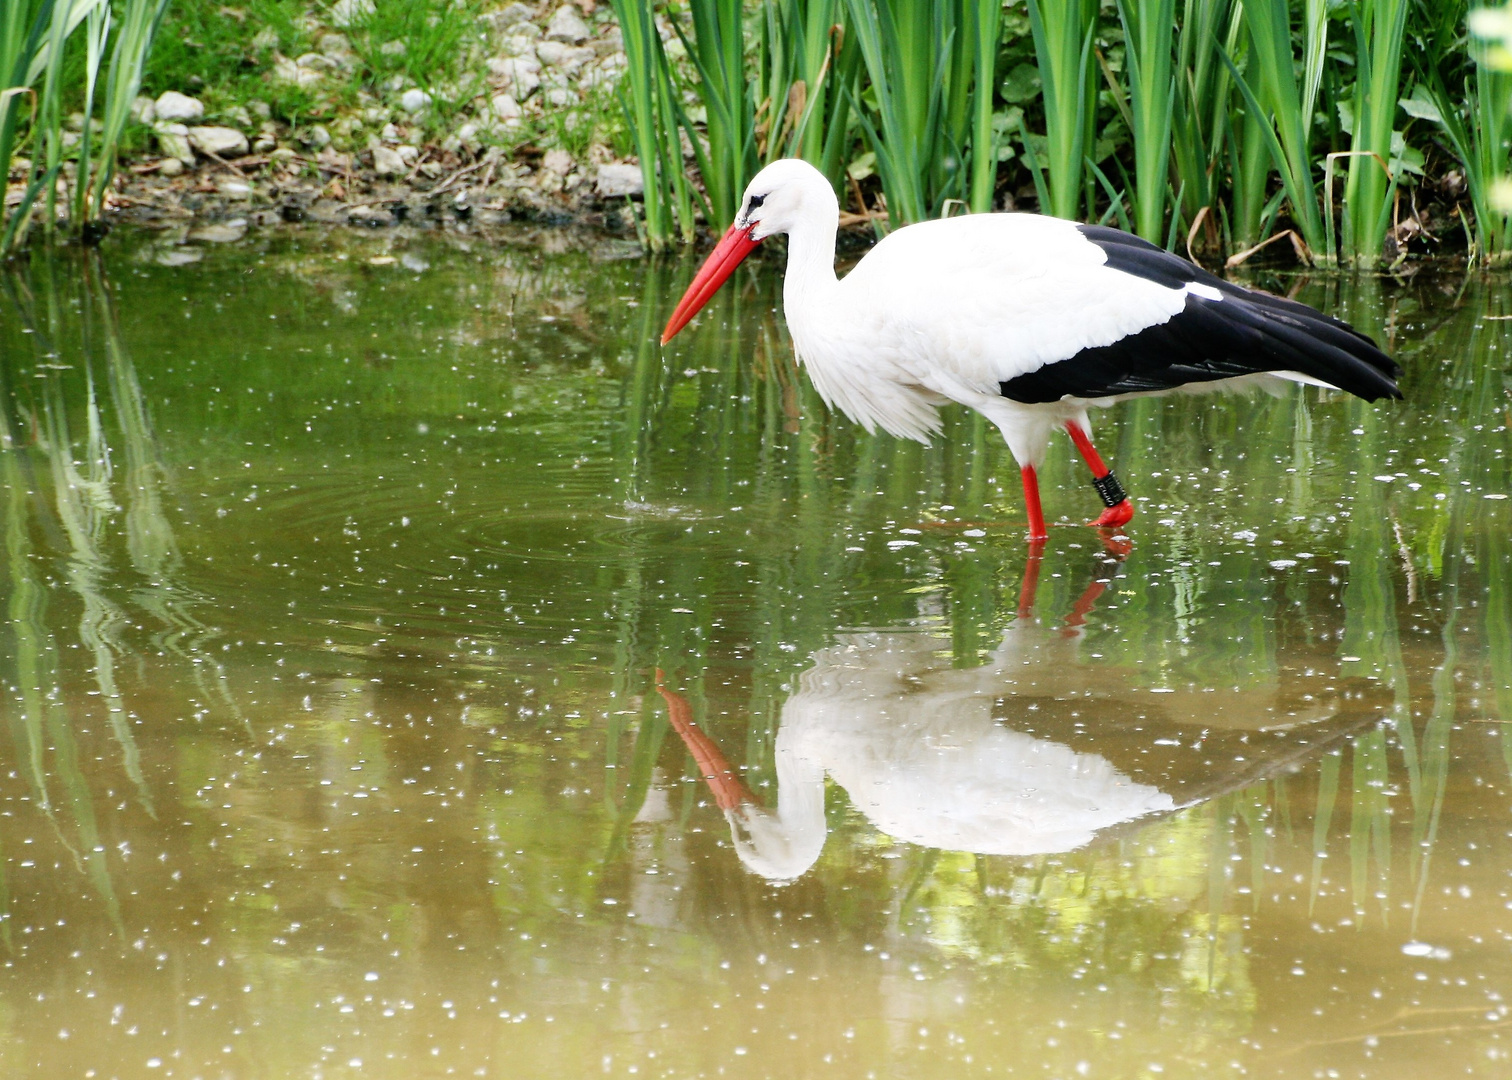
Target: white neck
x,y
808,287
780,846
811,263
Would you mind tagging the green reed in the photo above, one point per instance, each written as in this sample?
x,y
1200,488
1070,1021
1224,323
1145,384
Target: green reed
x,y
36,39
1380,29
1149,29
1063,38
1207,119
1478,124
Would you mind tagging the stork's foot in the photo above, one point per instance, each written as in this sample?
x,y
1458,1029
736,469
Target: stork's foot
x,y
1115,517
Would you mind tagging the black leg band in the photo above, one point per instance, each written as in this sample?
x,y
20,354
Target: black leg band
x,y
1109,488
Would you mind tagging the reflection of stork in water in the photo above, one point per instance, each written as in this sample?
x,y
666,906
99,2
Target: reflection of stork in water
x,y
960,759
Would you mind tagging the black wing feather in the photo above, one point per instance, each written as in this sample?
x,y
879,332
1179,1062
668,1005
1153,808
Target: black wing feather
x,y
1245,333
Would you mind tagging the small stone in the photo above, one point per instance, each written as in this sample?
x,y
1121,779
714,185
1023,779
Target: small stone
x,y
387,162
381,260
234,189
173,141
288,72
370,215
407,154
414,100
619,181
260,109
335,46
266,38
521,39
173,106
170,166
514,13
561,96
557,161
606,72
568,25
225,233
517,75
326,211
346,13
143,109
506,108
566,58
610,41
221,141
393,48
314,61
317,137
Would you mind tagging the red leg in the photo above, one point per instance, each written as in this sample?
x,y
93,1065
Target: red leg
x,y
1085,603
1030,586
1032,504
1120,511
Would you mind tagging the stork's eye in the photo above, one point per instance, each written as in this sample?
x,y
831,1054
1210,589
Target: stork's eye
x,y
756,200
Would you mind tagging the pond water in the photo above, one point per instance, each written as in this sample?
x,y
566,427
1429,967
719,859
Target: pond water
x,y
339,571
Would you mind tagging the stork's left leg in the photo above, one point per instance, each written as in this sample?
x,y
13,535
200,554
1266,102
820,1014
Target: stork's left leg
x,y
1119,509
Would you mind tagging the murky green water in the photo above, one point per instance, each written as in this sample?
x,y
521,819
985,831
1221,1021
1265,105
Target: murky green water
x,y
334,595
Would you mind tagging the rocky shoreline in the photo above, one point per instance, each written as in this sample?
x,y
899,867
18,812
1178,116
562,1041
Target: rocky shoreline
x,y
387,159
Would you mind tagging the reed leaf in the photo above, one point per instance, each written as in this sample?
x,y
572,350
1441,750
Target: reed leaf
x,y
1380,29
1149,32
1278,107
1063,36
640,98
1478,125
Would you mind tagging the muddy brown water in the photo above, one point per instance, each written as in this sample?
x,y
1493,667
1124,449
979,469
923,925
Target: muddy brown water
x,y
335,596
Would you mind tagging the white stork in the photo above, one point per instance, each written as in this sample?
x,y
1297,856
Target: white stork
x,y
1029,320
979,759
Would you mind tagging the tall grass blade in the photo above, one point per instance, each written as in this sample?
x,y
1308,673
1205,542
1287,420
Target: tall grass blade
x,y
1149,30
1380,29
138,27
1063,33
640,98
986,18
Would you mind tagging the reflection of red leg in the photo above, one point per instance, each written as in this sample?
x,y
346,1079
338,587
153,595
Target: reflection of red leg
x,y
729,791
1121,512
1085,603
1031,579
1032,504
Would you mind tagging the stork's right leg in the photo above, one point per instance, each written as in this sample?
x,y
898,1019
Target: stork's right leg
x,y
1119,509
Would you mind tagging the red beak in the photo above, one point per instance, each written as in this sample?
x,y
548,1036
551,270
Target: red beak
x,y
729,790
733,247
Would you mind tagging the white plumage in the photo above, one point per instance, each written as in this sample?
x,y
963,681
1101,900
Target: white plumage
x,y
1029,320
924,752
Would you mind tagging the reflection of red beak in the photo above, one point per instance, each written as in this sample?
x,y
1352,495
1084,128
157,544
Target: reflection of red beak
x,y
729,791
732,248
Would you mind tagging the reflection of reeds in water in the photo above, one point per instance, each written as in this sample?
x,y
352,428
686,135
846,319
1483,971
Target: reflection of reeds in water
x,y
69,492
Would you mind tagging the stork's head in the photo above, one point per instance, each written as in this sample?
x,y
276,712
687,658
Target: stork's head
x,y
784,196
778,850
